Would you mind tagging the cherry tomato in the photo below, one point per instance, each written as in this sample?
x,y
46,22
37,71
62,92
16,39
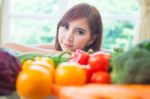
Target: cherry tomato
x,y
99,61
101,77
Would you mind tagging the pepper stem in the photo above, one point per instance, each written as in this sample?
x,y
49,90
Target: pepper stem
x,y
90,51
64,53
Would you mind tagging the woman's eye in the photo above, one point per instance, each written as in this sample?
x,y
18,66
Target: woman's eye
x,y
66,27
80,32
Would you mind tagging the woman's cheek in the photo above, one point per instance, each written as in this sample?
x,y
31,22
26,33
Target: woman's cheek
x,y
80,43
59,38
60,35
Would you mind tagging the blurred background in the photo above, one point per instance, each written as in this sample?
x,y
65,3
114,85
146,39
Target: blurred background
x,y
35,21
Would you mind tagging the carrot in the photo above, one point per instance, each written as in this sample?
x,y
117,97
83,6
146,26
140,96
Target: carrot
x,y
97,91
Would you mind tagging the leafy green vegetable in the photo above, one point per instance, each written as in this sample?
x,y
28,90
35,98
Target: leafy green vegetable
x,y
132,66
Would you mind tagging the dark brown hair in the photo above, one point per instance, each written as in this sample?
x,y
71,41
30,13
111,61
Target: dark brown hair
x,y
93,18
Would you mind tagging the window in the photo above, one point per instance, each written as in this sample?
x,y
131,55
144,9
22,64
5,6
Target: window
x,y
35,21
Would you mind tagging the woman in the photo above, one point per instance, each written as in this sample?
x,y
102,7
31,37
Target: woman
x,y
79,28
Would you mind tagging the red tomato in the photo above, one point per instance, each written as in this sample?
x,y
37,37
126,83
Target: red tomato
x,y
81,57
101,77
99,61
89,72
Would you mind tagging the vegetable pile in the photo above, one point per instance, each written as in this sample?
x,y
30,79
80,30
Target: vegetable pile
x,y
39,72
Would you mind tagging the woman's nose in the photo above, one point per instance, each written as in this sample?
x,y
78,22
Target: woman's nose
x,y
69,35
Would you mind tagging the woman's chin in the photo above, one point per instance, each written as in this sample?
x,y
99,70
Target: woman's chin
x,y
67,49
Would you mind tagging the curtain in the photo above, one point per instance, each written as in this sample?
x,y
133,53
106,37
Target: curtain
x,y
143,26
0,21
4,20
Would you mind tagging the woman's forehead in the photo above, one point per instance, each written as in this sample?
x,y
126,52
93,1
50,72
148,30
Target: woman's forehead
x,y
79,23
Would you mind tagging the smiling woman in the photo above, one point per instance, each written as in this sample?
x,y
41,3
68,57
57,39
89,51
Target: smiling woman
x,y
74,32
82,23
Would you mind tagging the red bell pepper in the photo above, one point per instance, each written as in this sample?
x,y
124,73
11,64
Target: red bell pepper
x,y
81,57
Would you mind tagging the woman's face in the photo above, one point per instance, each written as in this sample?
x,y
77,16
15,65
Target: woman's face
x,y
74,35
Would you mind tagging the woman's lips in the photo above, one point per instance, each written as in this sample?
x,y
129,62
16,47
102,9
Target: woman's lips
x,y
68,45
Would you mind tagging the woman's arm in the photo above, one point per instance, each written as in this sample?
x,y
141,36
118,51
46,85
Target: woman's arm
x,y
45,46
25,48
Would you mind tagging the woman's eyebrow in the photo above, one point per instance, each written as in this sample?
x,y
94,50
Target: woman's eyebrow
x,y
81,29
66,23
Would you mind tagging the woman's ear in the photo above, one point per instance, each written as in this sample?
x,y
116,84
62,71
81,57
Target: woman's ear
x,y
92,40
